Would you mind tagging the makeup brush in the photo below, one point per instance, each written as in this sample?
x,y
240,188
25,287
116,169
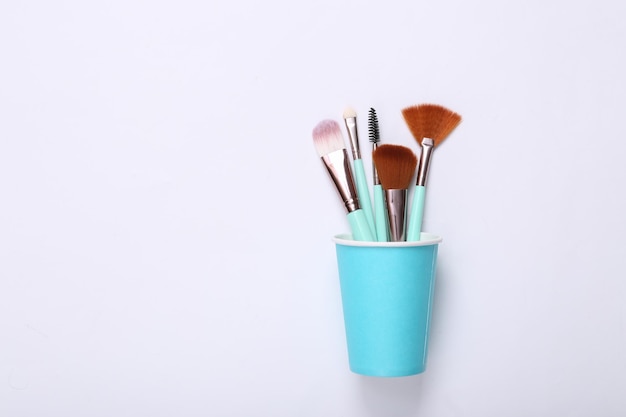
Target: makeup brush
x,y
429,124
362,189
396,166
380,212
331,149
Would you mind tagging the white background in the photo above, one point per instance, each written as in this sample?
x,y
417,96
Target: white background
x,y
165,222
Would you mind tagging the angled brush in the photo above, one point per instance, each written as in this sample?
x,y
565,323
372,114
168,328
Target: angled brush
x,y
429,124
396,166
330,146
380,212
362,189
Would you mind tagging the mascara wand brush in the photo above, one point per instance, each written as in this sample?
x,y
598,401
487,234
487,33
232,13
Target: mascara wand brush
x,y
380,212
362,189
330,146
429,124
396,166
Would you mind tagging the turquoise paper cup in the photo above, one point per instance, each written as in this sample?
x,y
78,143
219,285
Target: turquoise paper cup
x,y
387,294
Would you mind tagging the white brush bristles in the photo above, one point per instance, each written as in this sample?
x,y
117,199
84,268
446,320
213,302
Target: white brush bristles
x,y
348,113
327,137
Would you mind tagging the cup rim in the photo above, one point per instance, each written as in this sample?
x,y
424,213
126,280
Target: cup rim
x,y
426,240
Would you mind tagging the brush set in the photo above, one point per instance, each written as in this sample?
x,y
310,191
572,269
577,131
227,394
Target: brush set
x,y
389,218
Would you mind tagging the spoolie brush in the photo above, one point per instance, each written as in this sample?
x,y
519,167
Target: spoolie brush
x,y
429,124
396,166
330,146
380,212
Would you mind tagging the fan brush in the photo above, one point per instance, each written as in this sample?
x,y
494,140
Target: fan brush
x,y
429,124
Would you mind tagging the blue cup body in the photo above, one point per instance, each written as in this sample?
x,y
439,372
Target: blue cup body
x,y
387,294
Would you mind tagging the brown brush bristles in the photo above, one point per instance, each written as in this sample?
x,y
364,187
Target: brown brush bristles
x,y
430,121
395,165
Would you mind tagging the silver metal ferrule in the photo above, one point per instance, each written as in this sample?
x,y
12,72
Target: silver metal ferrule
x,y
374,170
396,209
338,165
428,146
354,137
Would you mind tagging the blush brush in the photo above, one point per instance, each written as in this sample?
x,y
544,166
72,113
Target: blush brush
x,y
429,124
396,166
330,146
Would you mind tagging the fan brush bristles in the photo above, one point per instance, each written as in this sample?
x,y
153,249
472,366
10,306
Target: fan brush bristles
x,y
396,166
327,137
372,124
430,121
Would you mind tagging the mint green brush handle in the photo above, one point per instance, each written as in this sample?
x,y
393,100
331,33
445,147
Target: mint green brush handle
x,y
359,226
363,192
417,214
382,230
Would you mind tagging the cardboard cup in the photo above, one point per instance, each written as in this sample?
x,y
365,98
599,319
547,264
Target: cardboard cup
x,y
387,293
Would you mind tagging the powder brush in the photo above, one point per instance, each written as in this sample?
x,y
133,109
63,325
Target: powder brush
x,y
396,166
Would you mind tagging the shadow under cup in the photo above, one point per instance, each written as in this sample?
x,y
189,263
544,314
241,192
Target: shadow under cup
x,y
387,293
